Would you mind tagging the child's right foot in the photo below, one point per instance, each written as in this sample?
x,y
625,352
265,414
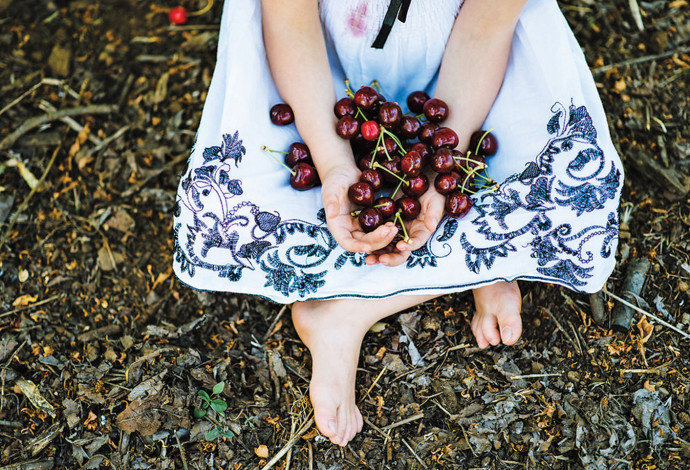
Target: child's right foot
x,y
497,318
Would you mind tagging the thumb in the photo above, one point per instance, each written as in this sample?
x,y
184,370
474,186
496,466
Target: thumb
x,y
434,214
332,207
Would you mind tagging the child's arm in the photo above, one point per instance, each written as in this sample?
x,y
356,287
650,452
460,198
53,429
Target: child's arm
x,y
472,70
299,63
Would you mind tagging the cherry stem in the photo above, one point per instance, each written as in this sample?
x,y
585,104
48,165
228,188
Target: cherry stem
x,y
348,89
398,218
395,139
480,140
275,151
376,86
360,113
356,212
402,180
208,6
266,149
474,171
379,141
397,188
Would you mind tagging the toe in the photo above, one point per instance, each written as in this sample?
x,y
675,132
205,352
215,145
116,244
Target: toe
x,y
360,421
510,325
327,423
489,329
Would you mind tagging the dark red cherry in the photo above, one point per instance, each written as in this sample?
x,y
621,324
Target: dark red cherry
x,y
303,176
487,146
366,97
435,110
391,148
390,248
282,115
390,115
361,193
416,100
370,130
426,133
442,161
423,150
411,163
409,127
345,107
369,219
360,145
386,206
458,204
409,207
465,182
364,162
298,152
446,183
416,186
445,137
393,166
347,127
373,177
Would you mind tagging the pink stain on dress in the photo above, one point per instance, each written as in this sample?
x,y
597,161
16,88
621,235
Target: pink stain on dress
x,y
357,21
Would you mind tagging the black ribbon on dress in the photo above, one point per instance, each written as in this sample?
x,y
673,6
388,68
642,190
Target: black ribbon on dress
x,y
397,8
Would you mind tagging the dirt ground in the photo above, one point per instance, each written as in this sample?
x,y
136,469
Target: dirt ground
x,y
103,353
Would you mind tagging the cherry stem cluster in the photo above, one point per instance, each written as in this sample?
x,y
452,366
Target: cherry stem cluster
x,y
271,153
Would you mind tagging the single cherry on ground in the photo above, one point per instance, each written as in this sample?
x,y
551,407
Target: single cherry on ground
x,y
282,115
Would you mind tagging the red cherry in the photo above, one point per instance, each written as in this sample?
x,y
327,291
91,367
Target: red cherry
x,y
345,107
423,149
386,206
373,177
366,97
369,219
445,137
487,146
409,207
298,152
361,193
426,133
416,100
409,127
416,186
390,115
347,127
391,148
360,145
370,130
442,161
364,162
436,110
411,163
282,115
303,176
446,183
393,166
178,15
458,204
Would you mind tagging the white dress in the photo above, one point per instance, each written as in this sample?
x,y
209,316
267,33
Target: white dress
x,y
239,226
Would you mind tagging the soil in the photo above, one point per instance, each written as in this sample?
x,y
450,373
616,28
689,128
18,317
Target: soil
x,y
103,354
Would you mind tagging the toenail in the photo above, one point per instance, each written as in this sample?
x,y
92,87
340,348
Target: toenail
x,y
332,425
507,333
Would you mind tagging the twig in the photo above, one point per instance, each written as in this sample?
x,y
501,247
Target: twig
x,y
34,122
414,453
639,60
637,16
153,174
377,429
20,98
467,439
74,125
270,331
289,444
558,325
378,377
26,307
533,376
179,446
404,421
25,202
654,317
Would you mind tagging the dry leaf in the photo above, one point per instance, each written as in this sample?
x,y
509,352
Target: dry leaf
x,y
24,300
645,328
261,451
31,392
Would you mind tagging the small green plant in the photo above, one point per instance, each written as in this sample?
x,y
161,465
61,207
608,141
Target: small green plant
x,y
218,405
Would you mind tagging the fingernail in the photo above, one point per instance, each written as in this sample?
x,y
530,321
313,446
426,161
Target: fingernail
x,y
507,333
331,425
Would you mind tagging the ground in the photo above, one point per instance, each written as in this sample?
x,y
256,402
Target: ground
x,y
103,353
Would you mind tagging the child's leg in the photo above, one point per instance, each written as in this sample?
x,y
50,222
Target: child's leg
x,y
333,331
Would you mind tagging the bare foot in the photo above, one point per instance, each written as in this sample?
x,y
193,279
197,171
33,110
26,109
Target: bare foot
x,y
334,339
497,318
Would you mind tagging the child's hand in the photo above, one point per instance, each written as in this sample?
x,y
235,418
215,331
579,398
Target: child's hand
x,y
345,228
419,230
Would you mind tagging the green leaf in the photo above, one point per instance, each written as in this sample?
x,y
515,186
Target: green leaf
x,y
213,434
205,404
218,388
204,395
228,434
199,413
219,405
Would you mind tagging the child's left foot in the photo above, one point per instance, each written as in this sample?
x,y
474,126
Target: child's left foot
x,y
497,318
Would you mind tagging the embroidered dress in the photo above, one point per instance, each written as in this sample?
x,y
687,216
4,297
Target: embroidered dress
x,y
239,226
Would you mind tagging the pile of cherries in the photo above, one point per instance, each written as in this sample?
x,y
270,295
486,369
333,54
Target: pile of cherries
x,y
398,153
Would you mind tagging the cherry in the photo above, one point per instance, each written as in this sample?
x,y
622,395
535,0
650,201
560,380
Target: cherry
x,y
347,127
416,100
416,186
435,110
458,204
345,107
426,133
446,183
369,219
366,98
486,146
298,152
409,207
370,130
423,149
393,166
178,15
359,144
445,137
409,127
303,176
364,162
411,163
361,193
391,148
373,177
282,115
386,206
442,161
390,115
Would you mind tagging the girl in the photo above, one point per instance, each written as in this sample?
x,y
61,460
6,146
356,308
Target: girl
x,y
510,65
